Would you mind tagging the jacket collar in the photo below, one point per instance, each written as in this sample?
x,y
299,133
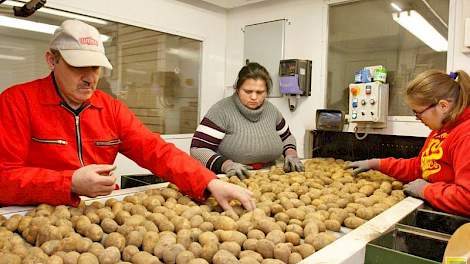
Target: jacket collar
x,y
50,94
464,116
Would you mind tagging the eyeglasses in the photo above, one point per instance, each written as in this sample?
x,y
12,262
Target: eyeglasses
x,y
419,114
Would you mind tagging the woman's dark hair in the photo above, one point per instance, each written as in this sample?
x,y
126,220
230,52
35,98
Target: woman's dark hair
x,y
254,71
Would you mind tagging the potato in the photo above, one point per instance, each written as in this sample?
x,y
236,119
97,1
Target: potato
x,y
8,258
265,248
129,252
183,237
295,213
134,238
322,239
311,229
353,222
396,185
282,252
121,217
256,234
96,249
250,244
208,251
12,223
333,225
196,221
276,236
51,246
272,261
83,245
232,247
94,232
305,250
114,240
195,248
248,260
198,261
251,254
206,226
367,190
170,253
295,258
225,223
208,238
267,226
224,257
292,238
52,260
296,229
71,257
87,258
365,213
70,243
110,255
245,226
184,257
109,225
235,236
143,257
149,241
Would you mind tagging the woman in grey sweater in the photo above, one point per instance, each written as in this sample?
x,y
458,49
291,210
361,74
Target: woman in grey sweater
x,y
245,131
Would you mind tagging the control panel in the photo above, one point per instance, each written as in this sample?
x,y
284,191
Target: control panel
x,y
368,103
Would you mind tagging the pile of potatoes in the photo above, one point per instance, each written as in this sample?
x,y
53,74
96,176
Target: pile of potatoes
x,y
297,213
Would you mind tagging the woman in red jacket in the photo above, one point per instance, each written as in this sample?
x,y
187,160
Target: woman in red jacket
x,y
441,172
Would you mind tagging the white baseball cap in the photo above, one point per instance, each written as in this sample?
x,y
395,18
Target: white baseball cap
x,y
79,44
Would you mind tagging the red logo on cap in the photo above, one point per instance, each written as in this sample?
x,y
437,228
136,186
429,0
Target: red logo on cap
x,y
88,41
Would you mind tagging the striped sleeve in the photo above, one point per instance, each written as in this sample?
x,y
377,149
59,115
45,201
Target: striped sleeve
x,y
284,133
205,144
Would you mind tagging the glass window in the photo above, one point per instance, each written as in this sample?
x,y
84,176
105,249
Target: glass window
x,y
157,75
363,33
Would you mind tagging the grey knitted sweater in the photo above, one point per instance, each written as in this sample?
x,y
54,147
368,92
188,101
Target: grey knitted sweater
x,y
232,131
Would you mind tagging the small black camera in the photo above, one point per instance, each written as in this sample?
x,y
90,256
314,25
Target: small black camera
x,y
28,8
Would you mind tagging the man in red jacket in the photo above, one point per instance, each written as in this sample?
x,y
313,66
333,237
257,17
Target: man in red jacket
x,y
59,134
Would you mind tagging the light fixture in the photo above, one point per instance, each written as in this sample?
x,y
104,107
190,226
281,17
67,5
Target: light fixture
x,y
10,57
34,26
418,26
396,6
60,13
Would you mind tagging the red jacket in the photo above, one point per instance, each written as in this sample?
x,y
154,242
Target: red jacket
x,y
444,161
42,143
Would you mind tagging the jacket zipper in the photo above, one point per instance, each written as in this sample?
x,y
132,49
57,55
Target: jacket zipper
x,y
50,141
78,136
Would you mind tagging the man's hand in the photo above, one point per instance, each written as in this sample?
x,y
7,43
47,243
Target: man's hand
x,y
416,188
231,168
224,192
292,163
363,165
94,180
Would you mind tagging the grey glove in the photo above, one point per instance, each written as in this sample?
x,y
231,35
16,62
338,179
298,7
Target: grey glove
x,y
292,163
363,165
416,188
231,168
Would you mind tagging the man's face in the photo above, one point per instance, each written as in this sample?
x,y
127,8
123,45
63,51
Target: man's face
x,y
76,84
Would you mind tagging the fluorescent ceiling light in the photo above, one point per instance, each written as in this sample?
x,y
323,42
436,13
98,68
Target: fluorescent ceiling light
x,y
10,57
418,26
60,13
396,7
34,26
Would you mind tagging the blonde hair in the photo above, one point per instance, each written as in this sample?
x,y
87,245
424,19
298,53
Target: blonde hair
x,y
431,86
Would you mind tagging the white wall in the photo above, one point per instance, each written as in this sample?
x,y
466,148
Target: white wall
x,y
303,41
